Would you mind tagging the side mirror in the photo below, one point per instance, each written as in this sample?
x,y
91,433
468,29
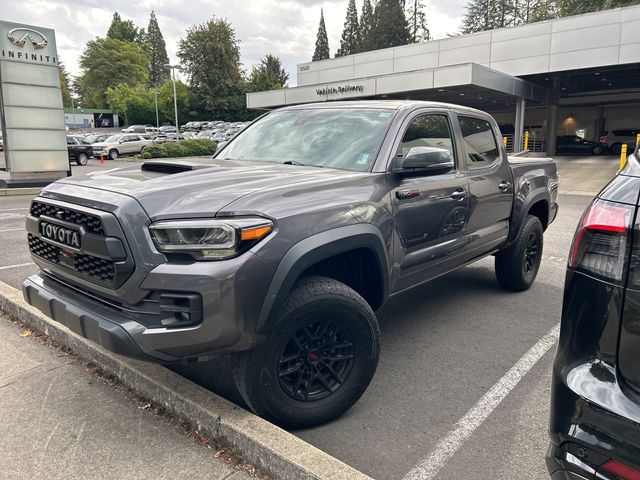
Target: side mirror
x,y
426,161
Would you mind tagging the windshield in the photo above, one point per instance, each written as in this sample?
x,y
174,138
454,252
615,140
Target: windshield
x,y
113,139
324,137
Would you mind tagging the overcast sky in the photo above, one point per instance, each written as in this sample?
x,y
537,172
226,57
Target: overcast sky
x,y
286,28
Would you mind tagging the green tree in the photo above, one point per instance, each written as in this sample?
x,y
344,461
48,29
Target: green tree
x,y
64,85
108,62
418,28
391,28
210,56
322,41
577,7
125,30
351,32
133,103
157,50
484,15
529,11
268,75
367,21
165,101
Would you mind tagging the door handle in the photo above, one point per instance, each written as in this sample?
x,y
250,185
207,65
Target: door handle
x,y
504,186
459,194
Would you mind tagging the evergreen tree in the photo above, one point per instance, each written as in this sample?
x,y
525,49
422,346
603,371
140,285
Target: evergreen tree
x,y
158,57
365,40
484,15
322,41
350,34
125,30
268,75
210,56
64,85
418,29
390,28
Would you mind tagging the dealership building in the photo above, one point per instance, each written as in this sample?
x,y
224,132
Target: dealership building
x,y
575,75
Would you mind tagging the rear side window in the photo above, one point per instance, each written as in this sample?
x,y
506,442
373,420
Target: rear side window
x,y
479,141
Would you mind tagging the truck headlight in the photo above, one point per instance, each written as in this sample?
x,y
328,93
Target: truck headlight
x,y
213,239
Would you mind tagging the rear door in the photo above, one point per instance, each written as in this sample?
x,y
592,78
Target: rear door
x,y
430,212
490,184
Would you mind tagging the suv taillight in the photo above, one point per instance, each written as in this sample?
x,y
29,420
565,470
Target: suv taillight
x,y
604,139
601,242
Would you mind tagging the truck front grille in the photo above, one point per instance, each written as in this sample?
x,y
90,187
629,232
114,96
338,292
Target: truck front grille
x,y
92,223
86,265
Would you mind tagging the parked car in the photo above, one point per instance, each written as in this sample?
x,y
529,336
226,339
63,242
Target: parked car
x,y
578,145
204,134
96,137
1,142
595,393
78,150
167,129
212,255
189,134
135,129
167,137
616,138
120,145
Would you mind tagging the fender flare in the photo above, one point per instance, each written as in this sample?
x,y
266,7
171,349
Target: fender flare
x,y
519,214
316,248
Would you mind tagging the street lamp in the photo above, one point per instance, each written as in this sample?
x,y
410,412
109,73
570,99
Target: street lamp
x,y
175,98
73,109
157,120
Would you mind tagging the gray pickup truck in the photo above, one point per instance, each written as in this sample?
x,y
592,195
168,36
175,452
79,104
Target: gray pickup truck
x,y
280,249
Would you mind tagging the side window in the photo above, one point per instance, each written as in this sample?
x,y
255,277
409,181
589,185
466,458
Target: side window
x,y
479,141
70,141
430,130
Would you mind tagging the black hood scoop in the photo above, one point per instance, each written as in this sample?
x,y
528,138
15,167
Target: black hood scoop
x,y
171,167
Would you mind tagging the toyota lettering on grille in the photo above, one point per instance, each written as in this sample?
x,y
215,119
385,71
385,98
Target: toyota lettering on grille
x,y
66,236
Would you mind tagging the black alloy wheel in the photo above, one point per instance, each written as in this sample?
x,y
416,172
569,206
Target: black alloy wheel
x,y
316,361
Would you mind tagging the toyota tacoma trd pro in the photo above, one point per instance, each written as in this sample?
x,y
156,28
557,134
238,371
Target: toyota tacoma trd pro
x,y
280,248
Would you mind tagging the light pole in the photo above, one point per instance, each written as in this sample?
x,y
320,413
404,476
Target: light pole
x,y
73,109
157,120
175,98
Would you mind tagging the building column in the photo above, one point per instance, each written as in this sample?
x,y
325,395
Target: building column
x,y
599,126
518,133
552,129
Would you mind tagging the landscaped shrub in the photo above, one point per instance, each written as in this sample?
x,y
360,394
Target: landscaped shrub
x,y
183,148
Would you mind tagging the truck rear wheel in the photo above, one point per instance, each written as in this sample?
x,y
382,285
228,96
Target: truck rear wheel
x,y
318,362
517,266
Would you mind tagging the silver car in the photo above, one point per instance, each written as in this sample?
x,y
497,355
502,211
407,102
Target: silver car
x,y
121,144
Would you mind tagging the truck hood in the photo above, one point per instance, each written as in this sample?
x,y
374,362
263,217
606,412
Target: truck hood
x,y
201,187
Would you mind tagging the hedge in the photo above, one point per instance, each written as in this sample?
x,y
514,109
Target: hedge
x,y
182,148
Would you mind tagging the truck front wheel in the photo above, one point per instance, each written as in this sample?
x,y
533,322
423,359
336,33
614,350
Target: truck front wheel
x,y
517,266
318,362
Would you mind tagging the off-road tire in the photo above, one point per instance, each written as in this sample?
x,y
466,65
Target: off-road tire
x,y
512,263
258,372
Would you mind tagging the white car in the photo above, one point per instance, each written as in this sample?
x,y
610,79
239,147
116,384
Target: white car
x,y
121,144
616,138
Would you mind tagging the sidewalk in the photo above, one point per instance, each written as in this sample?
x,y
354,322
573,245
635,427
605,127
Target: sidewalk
x,y
58,421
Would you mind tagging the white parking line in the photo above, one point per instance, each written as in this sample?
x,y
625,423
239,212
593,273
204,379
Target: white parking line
x,y
12,230
12,209
17,265
428,468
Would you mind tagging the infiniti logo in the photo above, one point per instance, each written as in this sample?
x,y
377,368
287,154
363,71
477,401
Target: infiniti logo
x,y
18,36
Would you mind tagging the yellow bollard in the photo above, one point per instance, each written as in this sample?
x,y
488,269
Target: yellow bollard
x,y
526,141
623,155
637,140
504,140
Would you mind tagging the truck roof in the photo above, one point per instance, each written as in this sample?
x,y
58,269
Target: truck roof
x,y
385,104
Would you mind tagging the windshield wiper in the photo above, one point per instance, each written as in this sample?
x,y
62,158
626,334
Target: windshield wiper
x,y
300,164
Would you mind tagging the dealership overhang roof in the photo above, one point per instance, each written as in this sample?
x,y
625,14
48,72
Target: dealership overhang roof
x,y
468,84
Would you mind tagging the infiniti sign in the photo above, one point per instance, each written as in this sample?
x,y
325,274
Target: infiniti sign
x,y
18,36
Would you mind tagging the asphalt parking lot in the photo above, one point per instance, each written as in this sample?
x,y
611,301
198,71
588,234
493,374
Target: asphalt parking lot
x,y
445,345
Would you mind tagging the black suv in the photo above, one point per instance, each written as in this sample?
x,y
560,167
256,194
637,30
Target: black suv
x,y
595,399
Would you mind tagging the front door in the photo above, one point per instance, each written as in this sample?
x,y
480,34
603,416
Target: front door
x,y
430,211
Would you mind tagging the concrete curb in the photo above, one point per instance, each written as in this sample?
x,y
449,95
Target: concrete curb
x,y
9,192
257,441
